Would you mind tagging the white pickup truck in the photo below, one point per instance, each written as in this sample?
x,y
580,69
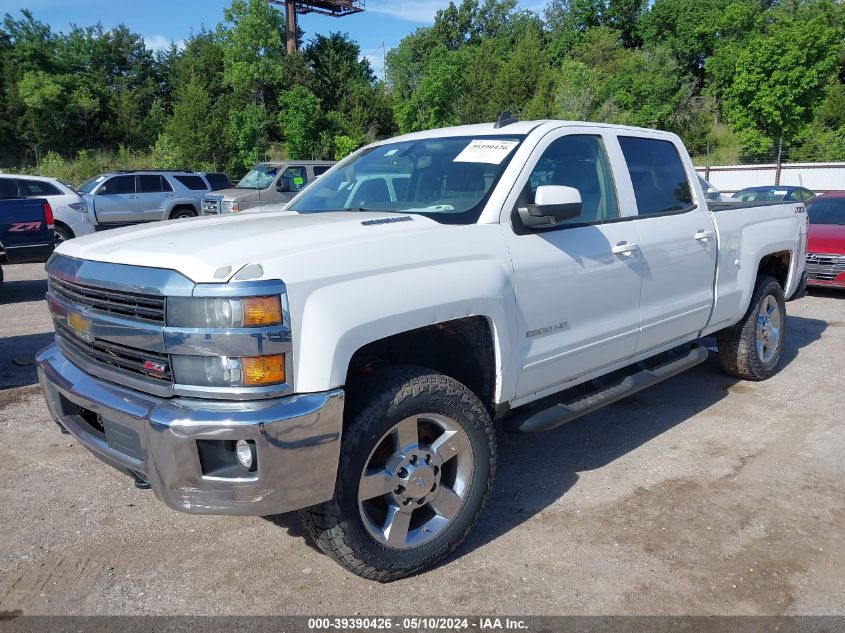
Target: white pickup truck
x,y
350,362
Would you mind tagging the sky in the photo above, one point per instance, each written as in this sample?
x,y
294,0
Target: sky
x,y
163,21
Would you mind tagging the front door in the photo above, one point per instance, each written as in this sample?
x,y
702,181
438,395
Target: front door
x,y
115,201
578,284
289,183
677,241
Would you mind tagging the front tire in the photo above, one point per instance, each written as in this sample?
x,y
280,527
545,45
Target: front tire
x,y
416,467
751,349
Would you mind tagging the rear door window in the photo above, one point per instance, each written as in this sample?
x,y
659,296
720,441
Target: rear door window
x,y
194,183
319,170
658,175
153,184
38,188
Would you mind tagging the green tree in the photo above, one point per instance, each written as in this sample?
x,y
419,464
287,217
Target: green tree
x,y
517,80
433,103
299,119
254,47
190,128
337,67
771,82
247,133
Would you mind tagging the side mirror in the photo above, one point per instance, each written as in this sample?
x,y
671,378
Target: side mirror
x,y
552,204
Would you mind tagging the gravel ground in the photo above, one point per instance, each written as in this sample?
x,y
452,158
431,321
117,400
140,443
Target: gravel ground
x,y
702,495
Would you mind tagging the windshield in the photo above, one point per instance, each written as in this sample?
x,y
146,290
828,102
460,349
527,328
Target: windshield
x,y
259,177
88,186
447,179
761,195
831,211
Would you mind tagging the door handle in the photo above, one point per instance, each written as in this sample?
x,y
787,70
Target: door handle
x,y
702,236
625,248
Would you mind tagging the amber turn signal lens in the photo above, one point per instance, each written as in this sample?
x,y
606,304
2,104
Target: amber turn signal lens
x,y
263,370
262,311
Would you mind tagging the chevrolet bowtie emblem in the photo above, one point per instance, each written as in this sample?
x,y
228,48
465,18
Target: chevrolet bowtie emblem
x,y
81,325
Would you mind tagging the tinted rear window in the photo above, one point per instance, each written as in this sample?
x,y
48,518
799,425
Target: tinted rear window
x,y
153,184
38,188
827,211
658,175
195,183
321,169
218,181
8,188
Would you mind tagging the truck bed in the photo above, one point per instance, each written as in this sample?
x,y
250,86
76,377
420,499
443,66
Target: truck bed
x,y
748,232
26,231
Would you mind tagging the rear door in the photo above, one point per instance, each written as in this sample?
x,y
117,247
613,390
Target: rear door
x,y
116,201
677,240
154,196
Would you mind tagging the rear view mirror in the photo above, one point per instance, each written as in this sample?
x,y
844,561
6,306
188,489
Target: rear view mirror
x,y
552,204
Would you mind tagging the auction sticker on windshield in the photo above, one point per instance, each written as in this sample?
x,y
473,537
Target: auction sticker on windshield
x,y
486,151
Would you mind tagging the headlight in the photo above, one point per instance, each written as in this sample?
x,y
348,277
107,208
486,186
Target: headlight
x,y
223,312
231,207
229,371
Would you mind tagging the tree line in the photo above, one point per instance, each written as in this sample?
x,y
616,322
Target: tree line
x,y
749,74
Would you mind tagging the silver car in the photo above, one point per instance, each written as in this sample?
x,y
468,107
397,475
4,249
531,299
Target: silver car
x,y
266,184
123,198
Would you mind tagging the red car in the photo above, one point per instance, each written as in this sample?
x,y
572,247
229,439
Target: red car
x,y
826,241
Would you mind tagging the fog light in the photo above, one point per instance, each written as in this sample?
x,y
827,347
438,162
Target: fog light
x,y
245,453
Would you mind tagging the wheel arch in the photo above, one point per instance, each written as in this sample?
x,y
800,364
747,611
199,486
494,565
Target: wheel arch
x,y
463,349
182,205
63,225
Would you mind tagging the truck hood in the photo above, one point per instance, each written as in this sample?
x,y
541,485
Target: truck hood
x,y
826,238
214,249
236,194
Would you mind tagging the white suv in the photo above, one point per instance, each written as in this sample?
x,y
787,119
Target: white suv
x,y
69,208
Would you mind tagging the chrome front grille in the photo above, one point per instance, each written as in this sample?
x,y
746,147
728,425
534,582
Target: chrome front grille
x,y
126,304
130,360
825,267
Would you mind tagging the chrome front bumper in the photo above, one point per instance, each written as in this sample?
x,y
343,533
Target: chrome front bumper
x,y
155,440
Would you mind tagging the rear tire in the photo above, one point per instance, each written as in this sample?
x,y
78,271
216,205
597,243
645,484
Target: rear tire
x,y
182,212
751,349
63,234
416,468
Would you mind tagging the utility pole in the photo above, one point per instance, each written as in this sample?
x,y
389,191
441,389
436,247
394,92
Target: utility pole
x,y
333,8
290,15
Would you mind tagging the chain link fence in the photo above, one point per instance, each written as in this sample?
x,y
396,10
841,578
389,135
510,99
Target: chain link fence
x,y
75,165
